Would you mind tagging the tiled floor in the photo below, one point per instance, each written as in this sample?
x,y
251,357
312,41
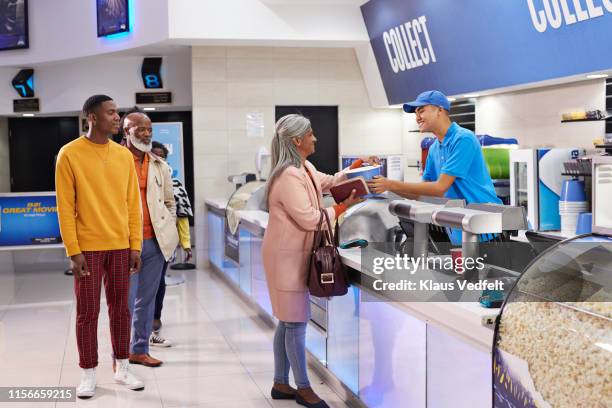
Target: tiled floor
x,y
222,353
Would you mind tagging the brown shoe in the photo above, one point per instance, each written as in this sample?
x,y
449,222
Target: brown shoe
x,y
145,360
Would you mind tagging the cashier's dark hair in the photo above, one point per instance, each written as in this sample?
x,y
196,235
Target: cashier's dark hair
x,y
284,152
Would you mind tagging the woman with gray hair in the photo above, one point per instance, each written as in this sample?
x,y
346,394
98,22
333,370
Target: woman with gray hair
x,y
294,198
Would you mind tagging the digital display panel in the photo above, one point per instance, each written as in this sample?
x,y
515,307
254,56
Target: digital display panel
x,y
13,24
113,17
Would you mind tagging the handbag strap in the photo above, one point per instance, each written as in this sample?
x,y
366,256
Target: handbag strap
x,y
316,242
334,241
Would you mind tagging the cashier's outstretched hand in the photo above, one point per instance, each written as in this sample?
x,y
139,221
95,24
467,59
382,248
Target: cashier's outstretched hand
x,y
379,184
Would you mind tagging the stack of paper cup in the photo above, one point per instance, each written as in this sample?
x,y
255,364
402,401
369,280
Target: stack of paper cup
x,y
572,202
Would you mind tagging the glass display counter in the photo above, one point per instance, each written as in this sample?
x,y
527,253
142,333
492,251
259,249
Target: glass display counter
x,y
553,340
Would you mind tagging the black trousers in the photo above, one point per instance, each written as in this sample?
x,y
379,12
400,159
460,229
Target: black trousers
x,y
161,292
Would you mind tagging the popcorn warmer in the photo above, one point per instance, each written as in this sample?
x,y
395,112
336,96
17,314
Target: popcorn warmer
x,y
553,338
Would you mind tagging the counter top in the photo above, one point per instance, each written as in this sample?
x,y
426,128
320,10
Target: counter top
x,y
219,203
462,319
259,218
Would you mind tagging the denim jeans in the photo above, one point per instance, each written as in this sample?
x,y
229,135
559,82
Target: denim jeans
x,y
143,288
161,293
290,351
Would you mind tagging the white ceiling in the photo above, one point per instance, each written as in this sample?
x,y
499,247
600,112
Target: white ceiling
x,y
310,2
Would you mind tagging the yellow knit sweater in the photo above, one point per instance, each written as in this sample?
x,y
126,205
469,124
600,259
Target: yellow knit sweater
x,y
98,200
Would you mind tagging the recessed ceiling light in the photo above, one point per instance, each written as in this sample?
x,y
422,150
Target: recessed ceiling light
x,y
471,96
451,99
27,115
596,76
149,109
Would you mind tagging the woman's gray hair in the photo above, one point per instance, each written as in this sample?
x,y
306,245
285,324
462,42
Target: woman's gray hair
x,y
284,151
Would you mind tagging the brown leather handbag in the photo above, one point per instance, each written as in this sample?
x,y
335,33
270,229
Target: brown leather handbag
x,y
326,275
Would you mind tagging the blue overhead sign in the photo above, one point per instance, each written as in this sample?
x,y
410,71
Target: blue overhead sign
x,y
474,45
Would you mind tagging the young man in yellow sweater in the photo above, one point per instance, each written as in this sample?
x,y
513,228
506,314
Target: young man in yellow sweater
x,y
101,226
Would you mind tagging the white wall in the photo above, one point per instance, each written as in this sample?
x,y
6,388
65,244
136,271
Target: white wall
x,y
534,116
253,20
228,82
411,145
5,177
66,29
371,76
63,87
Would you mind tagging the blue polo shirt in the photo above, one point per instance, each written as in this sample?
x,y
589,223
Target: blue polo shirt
x,y
460,155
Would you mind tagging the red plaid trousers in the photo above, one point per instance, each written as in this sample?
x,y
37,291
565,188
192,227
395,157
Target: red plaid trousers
x,y
114,267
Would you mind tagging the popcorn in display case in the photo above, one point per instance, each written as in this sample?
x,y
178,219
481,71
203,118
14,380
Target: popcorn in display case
x,y
553,338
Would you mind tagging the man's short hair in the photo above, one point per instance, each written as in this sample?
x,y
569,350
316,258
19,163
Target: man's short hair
x,y
158,145
94,102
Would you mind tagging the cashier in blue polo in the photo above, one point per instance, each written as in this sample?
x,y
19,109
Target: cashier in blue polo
x,y
455,165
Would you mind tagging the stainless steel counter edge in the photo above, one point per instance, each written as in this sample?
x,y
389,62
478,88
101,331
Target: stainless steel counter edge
x,y
216,205
220,203
461,319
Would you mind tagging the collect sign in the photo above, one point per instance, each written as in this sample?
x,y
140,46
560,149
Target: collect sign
x,y
474,45
28,220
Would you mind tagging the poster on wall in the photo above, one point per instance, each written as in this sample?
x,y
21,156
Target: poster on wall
x,y
255,124
13,24
170,134
28,219
113,17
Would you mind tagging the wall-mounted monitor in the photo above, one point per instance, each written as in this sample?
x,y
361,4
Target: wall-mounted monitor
x,y
113,17
13,24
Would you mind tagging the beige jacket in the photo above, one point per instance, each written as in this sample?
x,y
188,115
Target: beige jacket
x,y
162,208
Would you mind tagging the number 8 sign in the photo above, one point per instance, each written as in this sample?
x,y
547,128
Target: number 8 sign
x,y
151,73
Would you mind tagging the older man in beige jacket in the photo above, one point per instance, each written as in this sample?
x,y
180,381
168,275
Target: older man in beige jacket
x,y
160,236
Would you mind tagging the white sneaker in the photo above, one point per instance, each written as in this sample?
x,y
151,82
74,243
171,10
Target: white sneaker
x,y
87,386
123,376
158,341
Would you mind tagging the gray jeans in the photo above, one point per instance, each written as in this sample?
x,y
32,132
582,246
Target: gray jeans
x,y
290,351
143,288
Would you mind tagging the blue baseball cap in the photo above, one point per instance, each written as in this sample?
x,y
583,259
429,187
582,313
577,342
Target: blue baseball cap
x,y
435,98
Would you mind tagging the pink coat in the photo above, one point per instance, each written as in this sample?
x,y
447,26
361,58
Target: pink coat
x,y
294,216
